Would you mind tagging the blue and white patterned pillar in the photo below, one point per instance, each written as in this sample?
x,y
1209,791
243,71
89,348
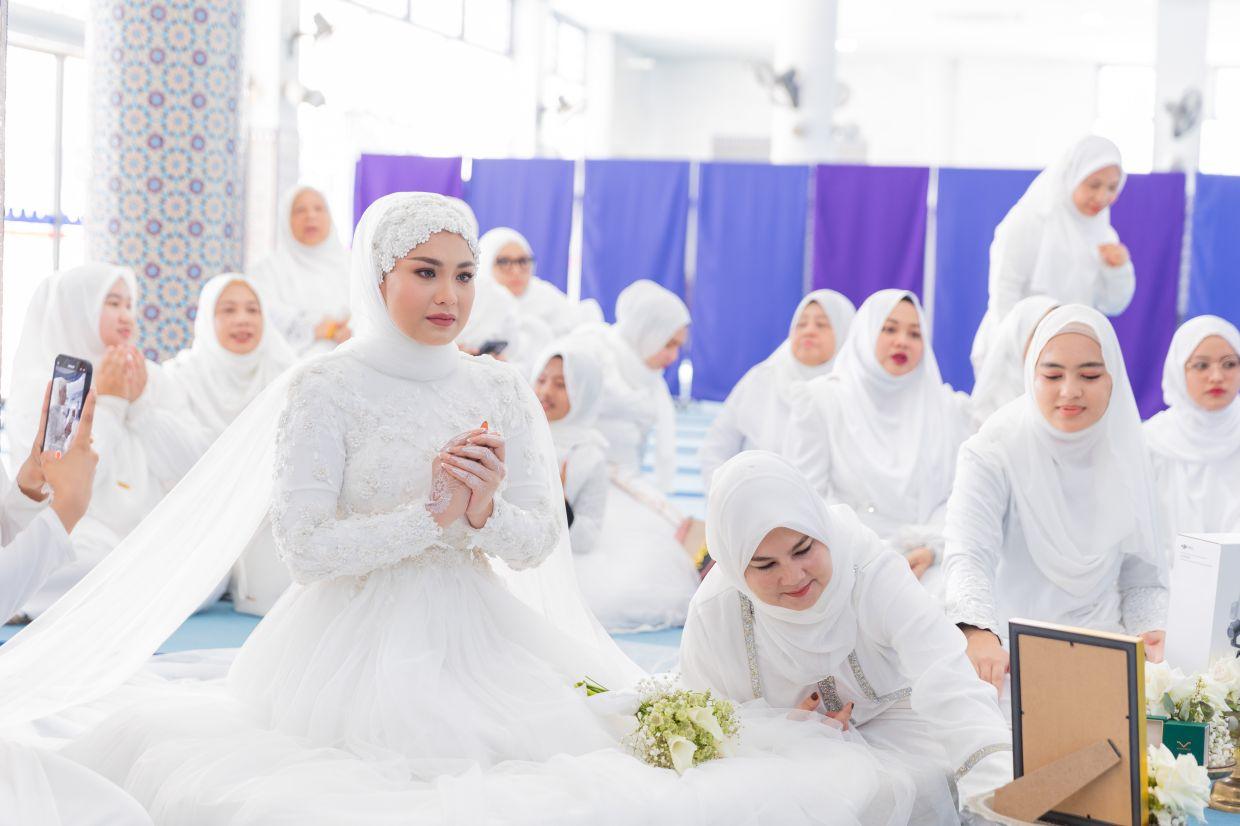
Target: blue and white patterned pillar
x,y
166,196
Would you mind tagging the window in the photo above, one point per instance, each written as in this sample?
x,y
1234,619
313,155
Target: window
x,y
47,158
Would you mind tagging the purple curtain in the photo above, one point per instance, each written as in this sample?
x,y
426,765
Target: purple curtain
x,y
739,203
1149,217
379,175
869,228
636,214
534,196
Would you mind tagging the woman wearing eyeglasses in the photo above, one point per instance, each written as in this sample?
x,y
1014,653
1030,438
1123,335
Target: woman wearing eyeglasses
x,y
1195,443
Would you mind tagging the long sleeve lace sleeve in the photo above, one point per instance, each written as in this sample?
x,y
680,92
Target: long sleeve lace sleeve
x,y
315,539
525,525
585,486
805,444
1143,596
974,536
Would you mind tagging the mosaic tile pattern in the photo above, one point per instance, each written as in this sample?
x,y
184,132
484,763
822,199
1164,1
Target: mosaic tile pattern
x,y
167,195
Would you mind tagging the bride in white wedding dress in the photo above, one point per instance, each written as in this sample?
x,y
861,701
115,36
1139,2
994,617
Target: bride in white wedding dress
x,y
421,668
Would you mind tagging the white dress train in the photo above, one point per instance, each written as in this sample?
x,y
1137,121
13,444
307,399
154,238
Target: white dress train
x,y
400,681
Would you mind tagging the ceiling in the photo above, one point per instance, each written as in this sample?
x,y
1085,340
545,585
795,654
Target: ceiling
x,y
1106,31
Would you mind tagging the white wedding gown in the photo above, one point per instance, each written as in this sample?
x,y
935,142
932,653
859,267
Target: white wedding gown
x,y
401,681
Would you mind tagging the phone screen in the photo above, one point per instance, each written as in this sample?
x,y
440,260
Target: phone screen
x,y
493,347
70,383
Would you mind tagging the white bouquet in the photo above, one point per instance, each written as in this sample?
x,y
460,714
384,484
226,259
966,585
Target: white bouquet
x,y
1179,788
675,728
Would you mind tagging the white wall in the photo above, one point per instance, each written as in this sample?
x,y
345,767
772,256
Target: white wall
x,y
677,107
909,109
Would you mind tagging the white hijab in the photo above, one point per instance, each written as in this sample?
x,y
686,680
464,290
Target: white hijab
x,y
1001,377
110,623
62,318
1079,496
583,382
313,279
219,384
495,312
897,436
751,494
1067,249
647,316
1203,445
840,311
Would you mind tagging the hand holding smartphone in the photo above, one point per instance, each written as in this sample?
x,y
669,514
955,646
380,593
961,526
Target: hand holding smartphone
x,y
70,383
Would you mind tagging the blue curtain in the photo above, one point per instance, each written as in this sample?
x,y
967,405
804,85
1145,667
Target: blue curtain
x,y
1214,283
534,196
971,203
750,268
379,175
635,217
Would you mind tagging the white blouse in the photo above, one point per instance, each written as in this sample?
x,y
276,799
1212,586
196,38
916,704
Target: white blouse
x,y
904,654
586,481
991,577
346,503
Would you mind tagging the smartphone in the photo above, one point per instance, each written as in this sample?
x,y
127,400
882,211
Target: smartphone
x,y
493,347
70,384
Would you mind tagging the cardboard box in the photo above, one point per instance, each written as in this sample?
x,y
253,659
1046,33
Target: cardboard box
x,y
1203,617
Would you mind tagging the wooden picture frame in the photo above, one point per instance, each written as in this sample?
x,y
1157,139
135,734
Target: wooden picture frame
x,y
1073,689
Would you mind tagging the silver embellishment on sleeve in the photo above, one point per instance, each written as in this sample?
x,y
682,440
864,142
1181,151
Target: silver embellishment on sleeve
x,y
978,756
751,646
830,695
868,690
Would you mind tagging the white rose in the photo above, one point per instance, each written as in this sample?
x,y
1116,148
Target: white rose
x,y
681,750
1182,687
705,720
1226,670
1214,692
1181,785
1159,677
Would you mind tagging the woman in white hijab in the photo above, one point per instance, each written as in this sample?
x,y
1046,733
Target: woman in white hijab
x,y
755,414
236,354
652,324
501,318
421,670
145,438
307,277
880,432
805,608
569,386
1054,514
1001,378
1195,443
507,259
1058,241
633,572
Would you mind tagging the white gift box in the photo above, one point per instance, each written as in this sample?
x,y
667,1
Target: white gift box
x,y
1203,617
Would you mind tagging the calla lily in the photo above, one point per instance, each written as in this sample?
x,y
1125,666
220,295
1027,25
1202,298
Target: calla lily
x,y
681,749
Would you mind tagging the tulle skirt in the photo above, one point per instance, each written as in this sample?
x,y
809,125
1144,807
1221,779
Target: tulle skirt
x,y
427,694
637,577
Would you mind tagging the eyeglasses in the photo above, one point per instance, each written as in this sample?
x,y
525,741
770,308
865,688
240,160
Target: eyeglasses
x,y
508,263
1228,363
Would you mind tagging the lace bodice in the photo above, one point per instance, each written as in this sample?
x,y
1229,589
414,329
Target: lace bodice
x,y
353,470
